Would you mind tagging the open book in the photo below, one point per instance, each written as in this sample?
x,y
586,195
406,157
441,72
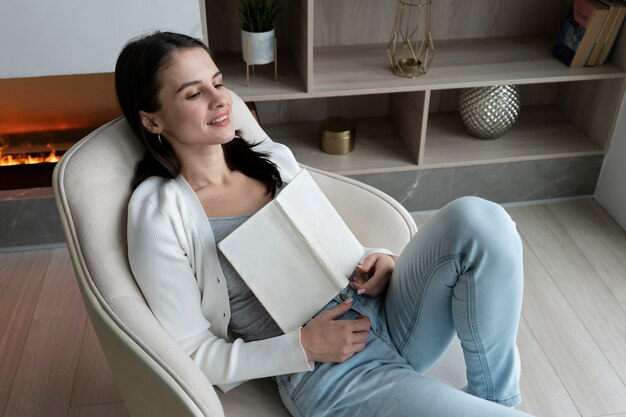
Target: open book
x,y
295,254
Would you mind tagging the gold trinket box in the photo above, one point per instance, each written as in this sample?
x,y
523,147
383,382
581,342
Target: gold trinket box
x,y
337,135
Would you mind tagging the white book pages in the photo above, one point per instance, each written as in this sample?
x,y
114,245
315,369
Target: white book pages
x,y
295,254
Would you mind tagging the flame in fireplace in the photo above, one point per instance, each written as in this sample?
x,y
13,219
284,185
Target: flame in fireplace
x,y
19,159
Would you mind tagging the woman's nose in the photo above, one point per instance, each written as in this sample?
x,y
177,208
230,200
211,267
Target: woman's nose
x,y
218,99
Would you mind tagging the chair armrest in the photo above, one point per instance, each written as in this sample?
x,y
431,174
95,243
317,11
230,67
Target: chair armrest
x,y
376,219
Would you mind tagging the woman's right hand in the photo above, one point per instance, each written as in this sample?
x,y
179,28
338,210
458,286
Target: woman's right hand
x,y
326,339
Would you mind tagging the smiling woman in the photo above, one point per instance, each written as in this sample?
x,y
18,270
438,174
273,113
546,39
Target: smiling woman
x,y
173,97
195,106
462,274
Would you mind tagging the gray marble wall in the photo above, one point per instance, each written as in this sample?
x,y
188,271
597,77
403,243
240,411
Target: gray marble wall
x,y
29,222
34,221
503,183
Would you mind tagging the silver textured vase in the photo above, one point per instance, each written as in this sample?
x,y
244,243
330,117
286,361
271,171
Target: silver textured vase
x,y
489,112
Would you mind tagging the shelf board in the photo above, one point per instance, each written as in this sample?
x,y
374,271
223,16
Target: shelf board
x,y
378,148
289,84
459,63
541,132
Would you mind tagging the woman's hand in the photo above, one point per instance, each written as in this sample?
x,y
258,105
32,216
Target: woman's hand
x,y
379,266
326,339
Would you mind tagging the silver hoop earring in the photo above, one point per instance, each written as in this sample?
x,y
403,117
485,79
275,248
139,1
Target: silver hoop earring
x,y
159,138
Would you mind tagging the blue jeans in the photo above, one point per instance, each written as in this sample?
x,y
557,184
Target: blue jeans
x,y
462,275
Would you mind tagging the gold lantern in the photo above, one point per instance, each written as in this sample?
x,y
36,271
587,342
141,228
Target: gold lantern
x,y
411,46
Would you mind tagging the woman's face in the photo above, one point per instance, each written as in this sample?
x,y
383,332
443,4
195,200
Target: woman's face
x,y
195,106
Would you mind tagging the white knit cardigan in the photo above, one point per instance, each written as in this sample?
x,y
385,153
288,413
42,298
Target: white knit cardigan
x,y
173,256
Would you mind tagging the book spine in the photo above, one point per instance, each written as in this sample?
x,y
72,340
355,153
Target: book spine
x,y
594,19
619,20
566,44
601,40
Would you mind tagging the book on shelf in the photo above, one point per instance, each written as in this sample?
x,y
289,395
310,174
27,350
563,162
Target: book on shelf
x,y
601,40
580,31
295,254
614,31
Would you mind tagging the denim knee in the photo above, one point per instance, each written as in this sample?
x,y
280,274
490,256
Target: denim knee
x,y
483,220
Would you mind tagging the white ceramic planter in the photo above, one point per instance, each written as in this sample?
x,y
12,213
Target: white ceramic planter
x,y
257,47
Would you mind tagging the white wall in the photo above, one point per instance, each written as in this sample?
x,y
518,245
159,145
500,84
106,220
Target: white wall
x,y
611,189
54,37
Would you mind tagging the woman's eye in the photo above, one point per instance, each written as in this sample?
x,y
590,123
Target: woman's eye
x,y
220,85
193,96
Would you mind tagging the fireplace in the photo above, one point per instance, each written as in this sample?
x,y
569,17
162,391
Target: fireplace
x,y
56,81
42,117
28,159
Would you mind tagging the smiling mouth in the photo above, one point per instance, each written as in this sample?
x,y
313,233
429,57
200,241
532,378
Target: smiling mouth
x,y
218,120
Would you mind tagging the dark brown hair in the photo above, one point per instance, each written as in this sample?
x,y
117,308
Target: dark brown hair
x,y
137,87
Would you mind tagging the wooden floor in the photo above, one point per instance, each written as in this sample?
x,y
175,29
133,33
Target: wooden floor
x,y
572,336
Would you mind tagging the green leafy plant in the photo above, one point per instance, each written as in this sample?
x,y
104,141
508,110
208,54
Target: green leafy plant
x,y
257,15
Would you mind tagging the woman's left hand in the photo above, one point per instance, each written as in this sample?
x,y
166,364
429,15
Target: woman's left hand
x,y
379,266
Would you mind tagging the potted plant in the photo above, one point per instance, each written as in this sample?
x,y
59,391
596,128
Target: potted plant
x,y
257,30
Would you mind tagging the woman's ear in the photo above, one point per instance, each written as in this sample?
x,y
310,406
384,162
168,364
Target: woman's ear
x,y
150,122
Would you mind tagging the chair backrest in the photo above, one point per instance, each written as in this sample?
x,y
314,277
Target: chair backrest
x,y
92,186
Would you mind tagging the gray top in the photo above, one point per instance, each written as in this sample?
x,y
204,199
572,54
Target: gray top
x,y
249,320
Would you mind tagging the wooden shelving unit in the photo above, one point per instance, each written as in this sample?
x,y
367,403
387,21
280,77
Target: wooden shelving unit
x,y
379,149
541,132
458,63
333,50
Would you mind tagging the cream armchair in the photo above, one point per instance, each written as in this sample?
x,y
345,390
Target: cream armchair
x,y
92,186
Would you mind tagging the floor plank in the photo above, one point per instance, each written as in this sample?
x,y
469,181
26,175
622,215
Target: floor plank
x,y
45,376
543,394
584,371
21,277
603,246
60,295
103,410
94,380
565,371
593,301
606,217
